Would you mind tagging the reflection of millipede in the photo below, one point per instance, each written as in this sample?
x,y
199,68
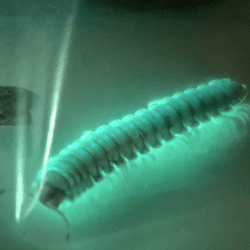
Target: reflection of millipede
x,y
78,166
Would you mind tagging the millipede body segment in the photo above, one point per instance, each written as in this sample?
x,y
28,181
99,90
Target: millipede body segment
x,y
78,166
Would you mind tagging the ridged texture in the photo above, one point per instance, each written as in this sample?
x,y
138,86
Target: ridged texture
x,y
83,162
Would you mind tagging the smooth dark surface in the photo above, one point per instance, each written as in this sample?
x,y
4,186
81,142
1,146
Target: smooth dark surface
x,y
149,5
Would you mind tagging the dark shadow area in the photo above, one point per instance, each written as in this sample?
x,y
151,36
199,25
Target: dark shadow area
x,y
147,5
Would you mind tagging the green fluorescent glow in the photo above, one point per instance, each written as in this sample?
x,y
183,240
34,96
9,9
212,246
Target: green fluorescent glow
x,y
195,158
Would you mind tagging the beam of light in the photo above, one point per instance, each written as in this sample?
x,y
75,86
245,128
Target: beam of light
x,y
59,77
21,136
20,171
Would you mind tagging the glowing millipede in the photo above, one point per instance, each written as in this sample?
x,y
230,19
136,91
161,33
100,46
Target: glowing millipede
x,y
78,166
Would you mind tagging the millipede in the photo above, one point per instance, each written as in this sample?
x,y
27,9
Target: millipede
x,y
97,153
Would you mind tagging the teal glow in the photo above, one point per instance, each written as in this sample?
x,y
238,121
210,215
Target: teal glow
x,y
193,159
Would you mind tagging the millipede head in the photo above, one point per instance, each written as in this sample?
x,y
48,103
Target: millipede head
x,y
50,196
50,187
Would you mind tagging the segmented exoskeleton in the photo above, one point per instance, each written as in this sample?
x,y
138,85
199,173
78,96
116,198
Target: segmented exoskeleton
x,y
76,167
